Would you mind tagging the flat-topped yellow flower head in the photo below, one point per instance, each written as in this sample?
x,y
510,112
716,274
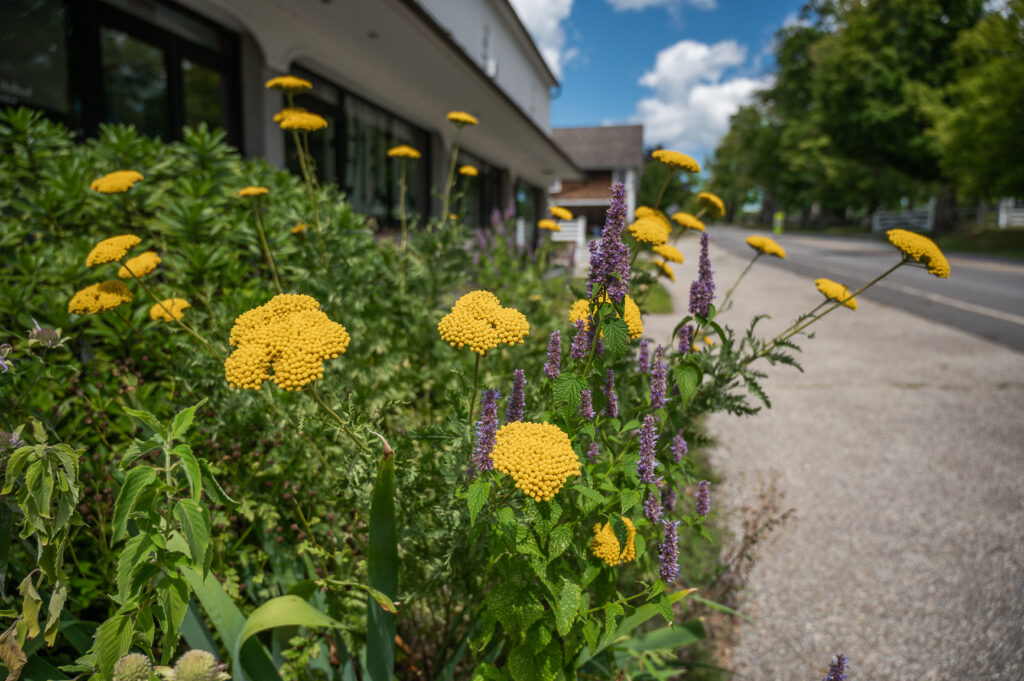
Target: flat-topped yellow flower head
x,y
833,290
560,213
139,266
290,84
711,203
290,335
538,456
669,252
111,249
688,221
605,545
288,111
677,159
461,118
299,228
920,249
478,320
100,297
169,309
116,182
549,225
468,171
650,230
404,151
252,190
308,122
581,310
666,269
763,244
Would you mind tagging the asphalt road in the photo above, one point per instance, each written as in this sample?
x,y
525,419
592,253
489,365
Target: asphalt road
x,y
983,295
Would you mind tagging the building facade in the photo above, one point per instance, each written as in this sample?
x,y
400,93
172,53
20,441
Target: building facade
x,y
386,72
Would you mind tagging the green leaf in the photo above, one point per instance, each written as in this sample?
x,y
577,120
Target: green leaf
x,y
591,632
40,486
620,530
113,639
688,377
14,466
628,498
213,487
192,470
173,594
590,494
136,449
150,420
195,525
566,607
31,604
559,540
137,480
665,608
382,572
477,496
616,336
283,611
567,391
668,638
53,610
183,419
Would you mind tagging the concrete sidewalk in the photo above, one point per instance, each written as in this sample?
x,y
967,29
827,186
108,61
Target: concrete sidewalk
x,y
902,450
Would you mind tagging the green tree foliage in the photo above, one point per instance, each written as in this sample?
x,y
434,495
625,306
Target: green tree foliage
x,y
677,192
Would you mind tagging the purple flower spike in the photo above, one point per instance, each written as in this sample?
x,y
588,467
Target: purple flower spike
x,y
652,506
679,447
587,405
642,360
702,290
668,551
592,452
517,400
611,407
685,339
669,502
703,499
578,349
837,669
609,261
552,368
486,428
658,373
648,444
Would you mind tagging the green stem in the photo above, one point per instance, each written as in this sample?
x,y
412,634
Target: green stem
x,y
263,243
341,423
401,200
661,194
728,294
472,395
451,176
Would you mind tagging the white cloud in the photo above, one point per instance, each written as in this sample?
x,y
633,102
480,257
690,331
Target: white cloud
x,y
693,99
794,19
543,19
626,5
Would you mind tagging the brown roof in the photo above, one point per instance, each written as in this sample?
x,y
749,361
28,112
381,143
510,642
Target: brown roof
x,y
604,147
594,188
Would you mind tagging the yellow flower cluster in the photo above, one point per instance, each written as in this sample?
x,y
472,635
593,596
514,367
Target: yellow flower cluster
x,y
605,545
688,221
538,456
100,297
710,202
403,151
252,190
833,290
169,309
290,84
111,249
478,320
139,266
581,310
309,122
920,249
299,228
666,269
549,225
116,182
669,252
288,111
560,213
763,244
649,230
291,335
461,118
677,159
468,171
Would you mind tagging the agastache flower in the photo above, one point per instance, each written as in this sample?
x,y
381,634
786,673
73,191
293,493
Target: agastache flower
x,y
669,502
592,452
648,444
702,290
679,447
578,349
837,669
551,369
658,380
642,360
652,506
685,339
517,400
668,551
703,499
611,407
486,428
587,405
609,260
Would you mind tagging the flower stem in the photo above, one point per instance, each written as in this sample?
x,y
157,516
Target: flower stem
x,y
661,194
472,395
728,294
451,176
341,423
263,242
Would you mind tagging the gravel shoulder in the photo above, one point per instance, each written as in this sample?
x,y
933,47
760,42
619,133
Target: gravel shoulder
x,y
901,448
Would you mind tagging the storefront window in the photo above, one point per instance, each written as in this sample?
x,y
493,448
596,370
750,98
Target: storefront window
x,y
203,89
134,82
34,56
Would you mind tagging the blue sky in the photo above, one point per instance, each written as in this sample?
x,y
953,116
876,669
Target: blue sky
x,y
680,67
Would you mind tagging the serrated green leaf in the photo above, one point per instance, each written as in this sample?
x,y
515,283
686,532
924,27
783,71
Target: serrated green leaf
x,y
567,391
665,608
14,465
195,526
40,486
31,604
476,497
192,471
628,498
559,540
137,480
620,530
150,420
566,607
213,487
173,594
128,561
591,632
113,639
183,420
688,377
616,336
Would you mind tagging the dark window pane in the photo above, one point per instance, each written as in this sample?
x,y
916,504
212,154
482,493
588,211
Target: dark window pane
x,y
203,95
366,163
416,171
33,59
134,82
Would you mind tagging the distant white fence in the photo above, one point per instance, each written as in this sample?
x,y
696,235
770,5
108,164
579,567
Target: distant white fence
x,y
1010,215
922,220
573,231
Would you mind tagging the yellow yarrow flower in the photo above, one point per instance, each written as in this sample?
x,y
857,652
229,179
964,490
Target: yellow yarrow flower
x,y
650,230
538,456
605,545
288,111
99,297
478,320
139,266
169,309
581,310
468,171
833,290
252,190
116,182
461,118
560,213
291,84
289,334
677,159
666,269
688,221
299,228
763,244
714,205
921,249
403,151
310,122
549,225
111,249
669,252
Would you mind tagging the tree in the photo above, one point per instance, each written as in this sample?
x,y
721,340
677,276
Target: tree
x,y
655,173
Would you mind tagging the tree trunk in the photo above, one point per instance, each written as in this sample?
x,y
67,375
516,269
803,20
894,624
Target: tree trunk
x,y
945,209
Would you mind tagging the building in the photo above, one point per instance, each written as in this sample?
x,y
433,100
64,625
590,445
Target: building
x,y
606,155
386,72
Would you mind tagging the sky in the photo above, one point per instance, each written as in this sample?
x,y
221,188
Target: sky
x,y
679,67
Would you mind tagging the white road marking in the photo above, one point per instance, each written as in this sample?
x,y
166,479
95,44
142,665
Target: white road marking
x,y
953,302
